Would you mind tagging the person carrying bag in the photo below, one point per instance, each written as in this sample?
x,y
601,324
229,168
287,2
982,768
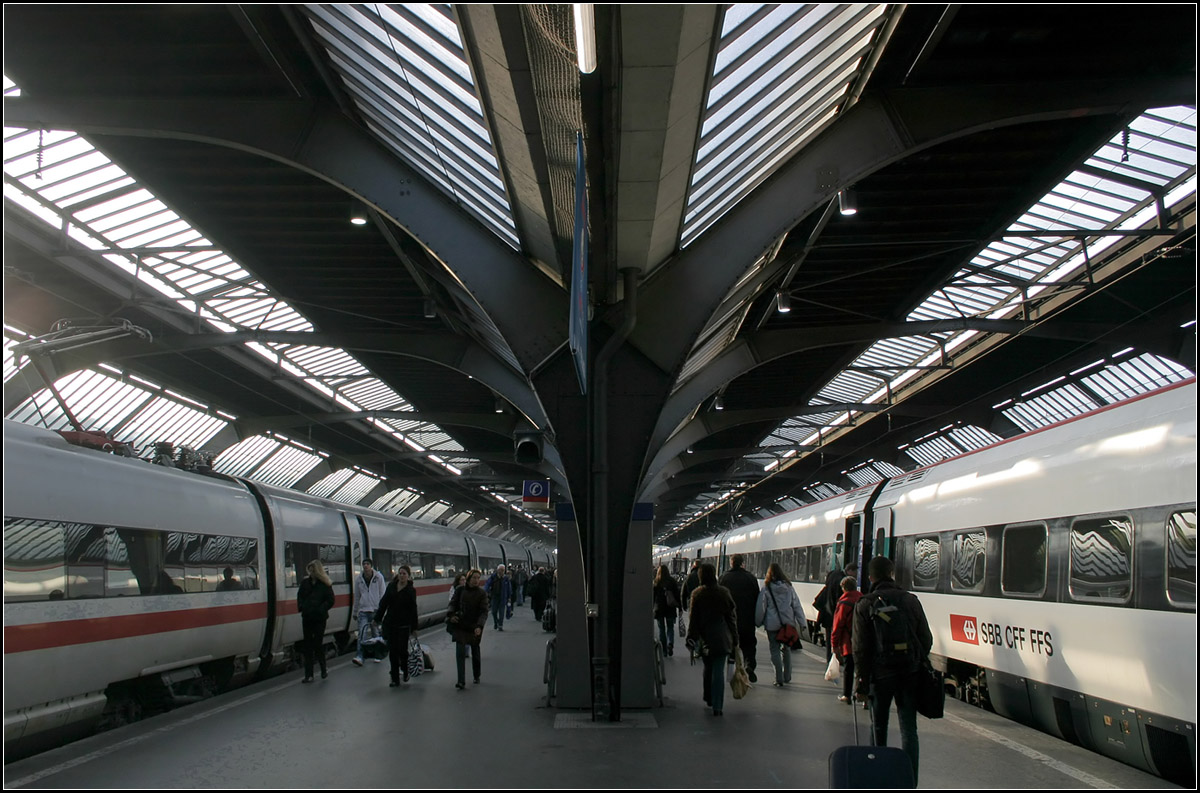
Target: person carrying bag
x,y
779,620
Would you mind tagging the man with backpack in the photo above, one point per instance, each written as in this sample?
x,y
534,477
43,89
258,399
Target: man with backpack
x,y
891,641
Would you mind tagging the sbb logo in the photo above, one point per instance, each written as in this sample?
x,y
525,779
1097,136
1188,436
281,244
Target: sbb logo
x,y
964,629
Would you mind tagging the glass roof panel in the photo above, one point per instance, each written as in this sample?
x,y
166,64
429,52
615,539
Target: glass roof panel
x,y
780,73
405,68
123,215
1161,152
395,501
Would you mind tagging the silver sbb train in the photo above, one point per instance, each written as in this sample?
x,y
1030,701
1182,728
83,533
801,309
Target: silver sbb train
x,y
130,588
1057,570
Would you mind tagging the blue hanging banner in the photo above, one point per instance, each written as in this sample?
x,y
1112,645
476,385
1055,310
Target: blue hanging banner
x,y
579,277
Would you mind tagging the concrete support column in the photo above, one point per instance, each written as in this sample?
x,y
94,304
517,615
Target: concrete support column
x,y
637,625
574,687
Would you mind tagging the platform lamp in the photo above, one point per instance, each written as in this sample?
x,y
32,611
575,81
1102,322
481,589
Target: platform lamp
x,y
358,214
847,202
718,403
585,36
783,303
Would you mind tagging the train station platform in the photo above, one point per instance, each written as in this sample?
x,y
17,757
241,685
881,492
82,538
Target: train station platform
x,y
353,731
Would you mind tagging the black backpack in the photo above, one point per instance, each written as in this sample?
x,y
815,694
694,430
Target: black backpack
x,y
897,650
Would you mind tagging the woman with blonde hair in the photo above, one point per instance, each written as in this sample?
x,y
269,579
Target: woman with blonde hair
x,y
777,606
313,601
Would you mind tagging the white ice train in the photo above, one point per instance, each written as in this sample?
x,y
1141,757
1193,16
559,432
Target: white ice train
x,y
115,600
1057,570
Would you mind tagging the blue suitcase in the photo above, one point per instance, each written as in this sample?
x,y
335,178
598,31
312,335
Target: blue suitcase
x,y
885,767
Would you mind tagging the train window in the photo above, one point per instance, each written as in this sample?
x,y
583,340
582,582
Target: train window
x,y
969,561
1102,559
1181,559
926,562
35,558
382,561
816,568
1023,561
297,555
334,557
789,559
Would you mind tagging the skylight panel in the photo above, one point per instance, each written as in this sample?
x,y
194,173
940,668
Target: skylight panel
x,y
105,210
405,68
326,487
355,489
780,72
396,501
13,337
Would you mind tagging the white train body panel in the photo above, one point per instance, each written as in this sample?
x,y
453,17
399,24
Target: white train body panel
x,y
1095,649
92,641
112,578
820,523
1140,454
398,535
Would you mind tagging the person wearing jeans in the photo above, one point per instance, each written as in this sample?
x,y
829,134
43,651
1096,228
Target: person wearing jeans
x,y
368,591
499,590
666,608
712,626
777,606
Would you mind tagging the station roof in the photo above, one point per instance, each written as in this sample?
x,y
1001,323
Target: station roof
x,y
179,256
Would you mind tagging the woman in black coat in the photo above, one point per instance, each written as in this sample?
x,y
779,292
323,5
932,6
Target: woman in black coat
x,y
666,608
467,615
314,600
397,615
713,627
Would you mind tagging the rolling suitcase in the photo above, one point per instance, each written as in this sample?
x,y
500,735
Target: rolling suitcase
x,y
869,766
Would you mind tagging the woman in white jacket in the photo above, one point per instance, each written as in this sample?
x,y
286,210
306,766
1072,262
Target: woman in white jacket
x,y
777,606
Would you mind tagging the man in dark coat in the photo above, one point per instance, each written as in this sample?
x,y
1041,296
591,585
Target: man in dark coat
x,y
539,592
743,586
889,648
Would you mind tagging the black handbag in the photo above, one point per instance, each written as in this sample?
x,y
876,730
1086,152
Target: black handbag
x,y
931,692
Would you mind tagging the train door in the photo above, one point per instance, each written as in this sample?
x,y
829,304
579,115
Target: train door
x,y
472,552
854,551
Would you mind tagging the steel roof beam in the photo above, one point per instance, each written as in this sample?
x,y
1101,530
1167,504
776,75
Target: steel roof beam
x,y
528,308
879,130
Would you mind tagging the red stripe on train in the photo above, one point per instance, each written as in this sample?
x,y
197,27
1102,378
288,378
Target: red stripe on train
x,y
44,635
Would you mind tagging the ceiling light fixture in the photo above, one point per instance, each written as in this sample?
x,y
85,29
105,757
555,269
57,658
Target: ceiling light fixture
x,y
585,36
430,308
358,214
847,202
783,304
718,403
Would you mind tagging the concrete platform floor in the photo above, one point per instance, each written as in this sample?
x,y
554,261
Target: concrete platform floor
x,y
353,731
